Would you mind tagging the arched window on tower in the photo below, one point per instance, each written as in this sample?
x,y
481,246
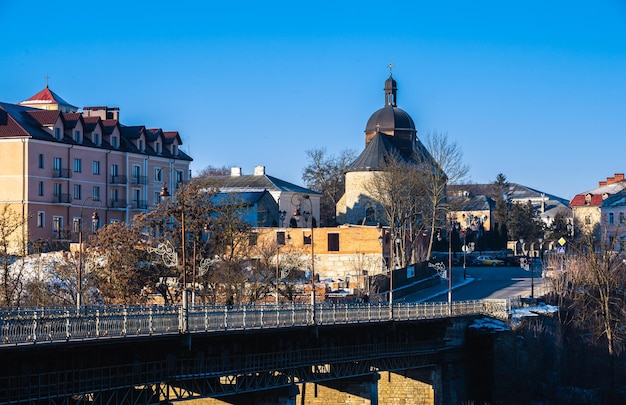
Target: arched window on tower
x,y
370,215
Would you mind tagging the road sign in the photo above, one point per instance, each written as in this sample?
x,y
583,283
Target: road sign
x,y
560,250
562,241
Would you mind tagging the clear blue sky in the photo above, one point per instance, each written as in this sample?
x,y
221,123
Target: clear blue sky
x,y
532,89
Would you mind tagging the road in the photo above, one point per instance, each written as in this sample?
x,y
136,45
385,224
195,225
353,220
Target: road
x,y
483,283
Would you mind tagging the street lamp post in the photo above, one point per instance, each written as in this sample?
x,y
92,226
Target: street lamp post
x,y
450,269
95,219
164,194
307,215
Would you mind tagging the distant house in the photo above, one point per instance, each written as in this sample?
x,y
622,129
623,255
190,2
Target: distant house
x,y
597,205
256,208
289,198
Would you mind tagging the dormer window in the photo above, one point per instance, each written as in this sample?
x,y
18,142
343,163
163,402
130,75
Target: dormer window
x,y
115,142
77,137
605,196
141,145
587,199
57,133
158,148
175,150
96,139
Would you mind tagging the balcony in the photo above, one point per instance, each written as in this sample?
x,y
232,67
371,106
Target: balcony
x,y
140,204
62,198
61,173
117,203
119,179
138,180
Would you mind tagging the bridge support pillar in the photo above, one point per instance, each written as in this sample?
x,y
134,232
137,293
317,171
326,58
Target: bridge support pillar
x,y
353,390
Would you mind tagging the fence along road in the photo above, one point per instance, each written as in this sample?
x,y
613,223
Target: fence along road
x,y
41,325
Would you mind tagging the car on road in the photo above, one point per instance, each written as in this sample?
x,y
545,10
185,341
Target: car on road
x,y
487,261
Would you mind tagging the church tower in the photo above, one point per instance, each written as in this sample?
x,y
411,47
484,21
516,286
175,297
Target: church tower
x,y
389,134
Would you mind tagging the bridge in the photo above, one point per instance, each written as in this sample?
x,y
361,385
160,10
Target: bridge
x,y
243,354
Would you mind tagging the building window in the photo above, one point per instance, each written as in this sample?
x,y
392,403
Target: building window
x,y
179,176
253,238
78,192
158,148
333,242
280,238
157,174
57,224
40,188
77,136
41,160
57,134
41,219
78,165
95,193
611,219
621,218
95,167
141,145
587,220
306,240
57,189
157,197
115,142
96,139
136,173
58,163
77,224
114,170
175,150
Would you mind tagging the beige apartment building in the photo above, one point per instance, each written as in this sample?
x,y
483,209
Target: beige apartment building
x,y
68,171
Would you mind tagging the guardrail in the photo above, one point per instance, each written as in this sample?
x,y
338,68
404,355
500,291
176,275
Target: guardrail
x,y
40,325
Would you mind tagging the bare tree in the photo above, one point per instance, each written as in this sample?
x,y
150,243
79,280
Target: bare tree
x,y
11,245
446,167
413,195
325,174
116,265
396,189
588,285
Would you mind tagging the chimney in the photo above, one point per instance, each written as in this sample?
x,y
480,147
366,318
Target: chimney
x,y
259,170
619,176
610,180
235,171
602,183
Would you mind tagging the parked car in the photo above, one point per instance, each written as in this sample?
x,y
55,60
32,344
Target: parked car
x,y
487,261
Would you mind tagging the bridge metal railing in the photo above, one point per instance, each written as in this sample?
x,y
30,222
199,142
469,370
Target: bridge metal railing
x,y
39,325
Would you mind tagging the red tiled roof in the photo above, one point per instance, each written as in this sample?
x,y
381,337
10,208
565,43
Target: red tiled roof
x,y
46,96
170,136
9,127
91,123
45,117
109,125
579,201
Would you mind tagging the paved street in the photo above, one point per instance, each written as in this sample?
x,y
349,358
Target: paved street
x,y
482,283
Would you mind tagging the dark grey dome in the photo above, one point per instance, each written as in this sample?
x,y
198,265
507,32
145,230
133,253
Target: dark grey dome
x,y
390,119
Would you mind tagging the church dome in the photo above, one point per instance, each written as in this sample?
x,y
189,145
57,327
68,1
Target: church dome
x,y
393,122
389,119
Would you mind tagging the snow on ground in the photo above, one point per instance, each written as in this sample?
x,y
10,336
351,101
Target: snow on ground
x,y
516,316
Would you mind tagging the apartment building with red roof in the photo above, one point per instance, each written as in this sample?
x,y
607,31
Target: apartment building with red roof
x,y
62,165
600,204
